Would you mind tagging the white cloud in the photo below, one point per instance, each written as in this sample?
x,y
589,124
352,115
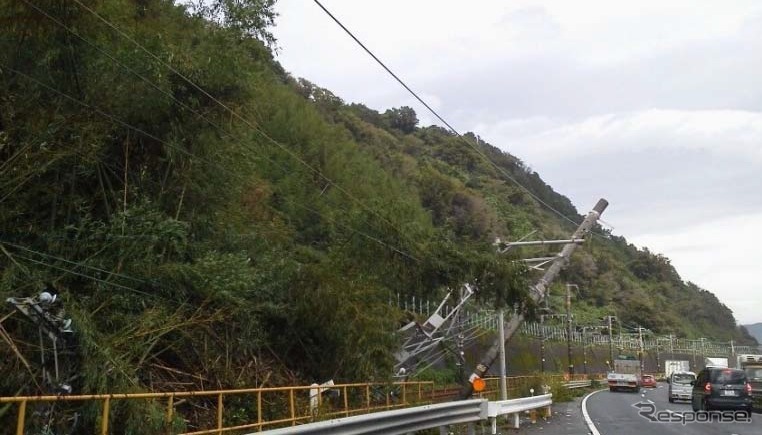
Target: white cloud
x,y
655,105
659,169
720,255
714,131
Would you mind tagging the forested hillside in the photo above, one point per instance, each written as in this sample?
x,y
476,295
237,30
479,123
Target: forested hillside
x,y
208,220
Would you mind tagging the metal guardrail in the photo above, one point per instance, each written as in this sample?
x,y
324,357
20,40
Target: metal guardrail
x,y
515,406
401,421
521,386
355,398
578,384
293,404
423,417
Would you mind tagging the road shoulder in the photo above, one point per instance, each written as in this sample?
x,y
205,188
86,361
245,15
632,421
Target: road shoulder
x,y
566,419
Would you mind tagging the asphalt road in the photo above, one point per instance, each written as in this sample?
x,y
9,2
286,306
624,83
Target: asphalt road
x,y
617,414
566,420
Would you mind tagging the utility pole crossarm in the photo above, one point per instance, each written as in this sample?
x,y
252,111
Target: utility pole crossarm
x,y
537,293
504,246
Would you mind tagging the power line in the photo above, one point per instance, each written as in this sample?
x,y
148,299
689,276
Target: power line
x,y
77,264
134,72
223,131
83,275
369,237
167,144
241,118
440,118
109,116
93,278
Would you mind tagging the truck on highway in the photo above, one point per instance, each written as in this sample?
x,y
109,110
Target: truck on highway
x,y
752,365
673,365
716,362
626,374
745,359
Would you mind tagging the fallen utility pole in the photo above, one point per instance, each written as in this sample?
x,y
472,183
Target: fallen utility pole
x,y
537,293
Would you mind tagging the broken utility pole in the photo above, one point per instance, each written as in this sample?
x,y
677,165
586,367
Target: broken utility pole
x,y
537,293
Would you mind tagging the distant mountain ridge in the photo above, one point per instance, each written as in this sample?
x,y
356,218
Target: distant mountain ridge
x,y
755,330
262,248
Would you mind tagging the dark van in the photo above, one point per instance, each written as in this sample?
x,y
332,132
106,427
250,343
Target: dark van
x,y
717,388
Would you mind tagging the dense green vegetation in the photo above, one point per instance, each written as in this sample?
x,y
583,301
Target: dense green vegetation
x,y
252,233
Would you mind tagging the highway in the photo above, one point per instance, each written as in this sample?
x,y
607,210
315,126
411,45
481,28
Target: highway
x,y
617,414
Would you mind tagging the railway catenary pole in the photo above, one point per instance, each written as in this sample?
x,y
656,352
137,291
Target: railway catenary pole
x,y
611,343
569,328
537,293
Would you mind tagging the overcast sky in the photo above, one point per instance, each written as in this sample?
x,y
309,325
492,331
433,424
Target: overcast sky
x,y
653,105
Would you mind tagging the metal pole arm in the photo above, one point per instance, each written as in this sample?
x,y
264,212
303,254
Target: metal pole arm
x,y
537,293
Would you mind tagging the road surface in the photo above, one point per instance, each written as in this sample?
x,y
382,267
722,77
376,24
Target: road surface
x,y
620,414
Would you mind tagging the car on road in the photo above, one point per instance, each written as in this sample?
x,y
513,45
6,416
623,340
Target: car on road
x,y
648,381
718,388
680,385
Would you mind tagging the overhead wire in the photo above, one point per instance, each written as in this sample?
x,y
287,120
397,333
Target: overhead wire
x,y
66,270
188,153
219,128
470,334
138,75
83,275
239,117
441,119
75,263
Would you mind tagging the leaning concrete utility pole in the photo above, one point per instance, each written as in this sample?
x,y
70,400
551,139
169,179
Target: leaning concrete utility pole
x,y
537,293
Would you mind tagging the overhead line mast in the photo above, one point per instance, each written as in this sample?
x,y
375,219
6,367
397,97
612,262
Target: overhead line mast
x,y
537,294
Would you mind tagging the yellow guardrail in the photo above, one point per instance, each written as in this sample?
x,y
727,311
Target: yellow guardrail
x,y
409,392
365,398
518,386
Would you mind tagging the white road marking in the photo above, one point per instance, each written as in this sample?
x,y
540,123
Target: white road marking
x,y
586,416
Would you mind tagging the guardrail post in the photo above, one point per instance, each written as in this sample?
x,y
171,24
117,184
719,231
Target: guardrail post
x,y
21,417
516,420
346,402
292,406
170,411
493,425
470,429
314,398
104,415
219,413
443,430
259,410
367,396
